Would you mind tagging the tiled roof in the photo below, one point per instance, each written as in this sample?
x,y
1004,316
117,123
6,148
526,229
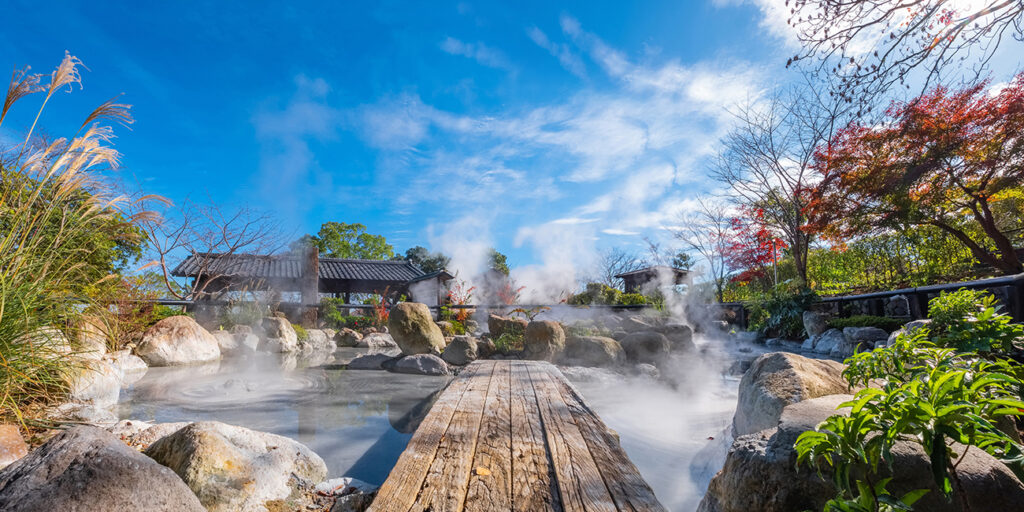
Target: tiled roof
x,y
290,267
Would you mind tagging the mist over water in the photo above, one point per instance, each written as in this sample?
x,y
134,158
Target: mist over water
x,y
357,421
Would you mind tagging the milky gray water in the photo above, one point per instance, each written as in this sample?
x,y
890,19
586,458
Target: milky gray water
x,y
359,421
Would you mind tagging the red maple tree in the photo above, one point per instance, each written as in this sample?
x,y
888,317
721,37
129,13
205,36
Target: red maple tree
x,y
941,159
752,246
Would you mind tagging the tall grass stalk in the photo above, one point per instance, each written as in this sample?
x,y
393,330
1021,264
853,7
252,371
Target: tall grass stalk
x,y
51,194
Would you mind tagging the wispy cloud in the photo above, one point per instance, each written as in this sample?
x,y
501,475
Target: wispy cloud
x,y
483,54
561,51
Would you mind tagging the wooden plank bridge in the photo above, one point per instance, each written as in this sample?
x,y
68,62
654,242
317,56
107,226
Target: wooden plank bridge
x,y
513,436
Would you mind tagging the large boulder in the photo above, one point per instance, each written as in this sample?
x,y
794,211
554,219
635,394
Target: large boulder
x,y
827,341
177,340
593,351
96,382
778,379
318,340
377,340
760,471
87,468
461,351
226,341
347,337
646,347
908,328
280,335
815,323
140,434
12,445
369,362
413,328
130,366
680,337
543,340
420,364
232,468
92,336
858,339
498,325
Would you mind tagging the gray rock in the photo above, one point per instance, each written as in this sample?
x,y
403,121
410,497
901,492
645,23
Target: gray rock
x,y
12,445
858,339
280,336
177,340
87,468
778,379
592,351
461,351
355,502
646,347
369,362
680,337
318,340
377,340
808,344
636,323
421,364
347,338
413,328
88,413
543,340
130,366
828,341
94,381
498,325
226,341
647,370
140,434
908,328
232,468
815,323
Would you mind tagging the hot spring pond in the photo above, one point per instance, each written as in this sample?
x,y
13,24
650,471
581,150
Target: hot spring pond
x,y
359,421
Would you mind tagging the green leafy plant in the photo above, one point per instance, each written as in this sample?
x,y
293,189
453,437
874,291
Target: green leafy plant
x,y
929,395
300,332
632,299
882,322
508,342
972,320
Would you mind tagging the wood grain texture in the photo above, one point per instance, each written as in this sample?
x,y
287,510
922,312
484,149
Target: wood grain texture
x,y
447,480
490,479
401,488
513,436
534,484
627,487
579,481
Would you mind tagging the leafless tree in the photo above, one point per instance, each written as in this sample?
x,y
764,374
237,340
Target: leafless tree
x,y
766,160
873,45
206,232
706,231
615,261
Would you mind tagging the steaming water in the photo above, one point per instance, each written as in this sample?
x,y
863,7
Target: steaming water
x,y
360,421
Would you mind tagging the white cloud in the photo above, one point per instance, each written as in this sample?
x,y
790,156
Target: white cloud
x,y
483,54
619,232
561,51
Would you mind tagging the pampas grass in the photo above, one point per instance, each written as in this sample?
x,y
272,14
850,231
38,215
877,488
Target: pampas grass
x,y
50,196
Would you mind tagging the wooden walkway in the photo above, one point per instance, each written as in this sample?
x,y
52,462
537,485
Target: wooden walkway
x,y
513,435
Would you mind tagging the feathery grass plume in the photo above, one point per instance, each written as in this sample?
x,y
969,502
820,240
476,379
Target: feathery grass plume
x,y
54,206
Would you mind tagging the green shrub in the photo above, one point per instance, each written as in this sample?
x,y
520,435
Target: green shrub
x,y
929,395
586,330
882,322
595,294
631,299
779,313
971,320
243,313
300,332
457,327
509,342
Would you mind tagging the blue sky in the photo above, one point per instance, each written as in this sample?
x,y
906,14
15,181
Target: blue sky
x,y
545,129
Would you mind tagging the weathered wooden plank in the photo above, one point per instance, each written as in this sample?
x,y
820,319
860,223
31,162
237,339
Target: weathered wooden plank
x,y
626,486
490,479
534,484
400,490
447,480
579,481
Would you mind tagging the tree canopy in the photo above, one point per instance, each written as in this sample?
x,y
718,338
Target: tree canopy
x,y
498,261
342,240
426,260
944,159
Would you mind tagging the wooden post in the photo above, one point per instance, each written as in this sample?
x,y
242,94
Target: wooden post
x,y
310,287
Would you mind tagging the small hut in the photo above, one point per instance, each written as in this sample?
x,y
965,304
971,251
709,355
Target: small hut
x,y
659,275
